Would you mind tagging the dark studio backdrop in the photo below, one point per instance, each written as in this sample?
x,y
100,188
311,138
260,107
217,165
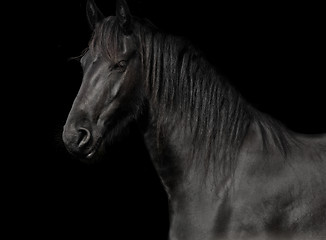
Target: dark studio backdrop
x,y
273,53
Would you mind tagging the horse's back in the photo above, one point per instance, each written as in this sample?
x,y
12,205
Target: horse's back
x,y
314,140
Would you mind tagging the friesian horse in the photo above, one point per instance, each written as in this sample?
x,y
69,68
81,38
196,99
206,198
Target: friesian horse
x,y
230,171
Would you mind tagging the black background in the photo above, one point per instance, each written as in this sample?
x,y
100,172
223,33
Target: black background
x,y
273,53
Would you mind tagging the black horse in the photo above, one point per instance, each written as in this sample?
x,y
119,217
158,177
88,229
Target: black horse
x,y
230,171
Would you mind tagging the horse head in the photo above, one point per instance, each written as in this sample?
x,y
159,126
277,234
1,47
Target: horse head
x,y
109,95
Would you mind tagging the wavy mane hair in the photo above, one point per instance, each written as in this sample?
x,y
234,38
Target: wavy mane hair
x,y
187,91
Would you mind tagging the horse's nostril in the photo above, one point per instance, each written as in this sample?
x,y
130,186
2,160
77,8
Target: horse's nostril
x,y
84,137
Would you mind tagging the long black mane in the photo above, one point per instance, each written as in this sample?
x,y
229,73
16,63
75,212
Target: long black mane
x,y
189,93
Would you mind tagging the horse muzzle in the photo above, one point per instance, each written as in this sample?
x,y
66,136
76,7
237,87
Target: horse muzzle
x,y
80,141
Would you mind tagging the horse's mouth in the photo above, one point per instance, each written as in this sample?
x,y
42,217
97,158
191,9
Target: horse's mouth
x,y
94,149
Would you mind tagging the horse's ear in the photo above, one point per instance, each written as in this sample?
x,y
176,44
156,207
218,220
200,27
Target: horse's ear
x,y
94,15
124,16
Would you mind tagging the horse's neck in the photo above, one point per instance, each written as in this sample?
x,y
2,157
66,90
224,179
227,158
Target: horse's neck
x,y
194,195
169,149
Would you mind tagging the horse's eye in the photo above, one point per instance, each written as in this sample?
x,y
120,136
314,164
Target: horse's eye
x,y
121,66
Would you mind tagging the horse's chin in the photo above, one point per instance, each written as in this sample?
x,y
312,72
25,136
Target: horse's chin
x,y
95,152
